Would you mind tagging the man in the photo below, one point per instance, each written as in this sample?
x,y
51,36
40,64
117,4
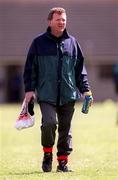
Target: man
x,y
54,68
115,76
115,80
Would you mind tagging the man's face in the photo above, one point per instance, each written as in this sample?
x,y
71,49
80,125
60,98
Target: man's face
x,y
58,23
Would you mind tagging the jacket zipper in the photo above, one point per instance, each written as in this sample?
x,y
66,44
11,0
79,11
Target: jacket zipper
x,y
59,54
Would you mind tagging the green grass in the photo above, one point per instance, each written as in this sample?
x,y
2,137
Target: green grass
x,y
95,144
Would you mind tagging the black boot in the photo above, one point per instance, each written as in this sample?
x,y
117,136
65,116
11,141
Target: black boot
x,y
47,162
62,167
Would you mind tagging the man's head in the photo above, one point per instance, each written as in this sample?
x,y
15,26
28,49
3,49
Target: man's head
x,y
57,20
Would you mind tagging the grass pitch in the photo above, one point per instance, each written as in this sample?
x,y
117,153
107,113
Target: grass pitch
x,y
95,146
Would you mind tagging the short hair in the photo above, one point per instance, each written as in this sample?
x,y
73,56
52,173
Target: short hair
x,y
57,10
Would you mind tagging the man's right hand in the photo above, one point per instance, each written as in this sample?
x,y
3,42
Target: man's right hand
x,y
29,95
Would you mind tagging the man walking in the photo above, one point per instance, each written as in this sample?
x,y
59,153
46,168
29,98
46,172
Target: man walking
x,y
115,81
55,70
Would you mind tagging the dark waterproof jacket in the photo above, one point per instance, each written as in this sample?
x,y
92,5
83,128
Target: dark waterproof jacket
x,y
54,68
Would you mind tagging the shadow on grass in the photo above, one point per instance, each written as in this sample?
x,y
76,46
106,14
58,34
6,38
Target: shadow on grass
x,y
26,173
23,173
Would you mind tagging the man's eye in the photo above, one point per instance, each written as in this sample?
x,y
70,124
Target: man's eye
x,y
61,20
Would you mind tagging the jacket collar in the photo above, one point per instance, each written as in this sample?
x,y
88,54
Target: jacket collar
x,y
65,35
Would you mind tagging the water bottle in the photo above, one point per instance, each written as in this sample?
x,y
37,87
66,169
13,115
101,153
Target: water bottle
x,y
87,103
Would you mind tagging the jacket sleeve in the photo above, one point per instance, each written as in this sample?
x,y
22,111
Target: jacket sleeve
x,y
30,71
81,73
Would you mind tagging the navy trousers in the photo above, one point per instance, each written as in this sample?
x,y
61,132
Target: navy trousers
x,y
53,117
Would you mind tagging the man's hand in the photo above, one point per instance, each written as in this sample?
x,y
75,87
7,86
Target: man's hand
x,y
89,93
29,95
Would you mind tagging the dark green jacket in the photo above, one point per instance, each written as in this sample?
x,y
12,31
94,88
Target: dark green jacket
x,y
54,68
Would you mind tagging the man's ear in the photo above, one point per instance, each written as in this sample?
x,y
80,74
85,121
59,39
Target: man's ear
x,y
49,22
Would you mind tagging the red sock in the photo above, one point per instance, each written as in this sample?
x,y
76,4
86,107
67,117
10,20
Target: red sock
x,y
62,157
47,149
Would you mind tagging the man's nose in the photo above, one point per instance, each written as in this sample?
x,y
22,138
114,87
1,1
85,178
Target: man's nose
x,y
61,21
